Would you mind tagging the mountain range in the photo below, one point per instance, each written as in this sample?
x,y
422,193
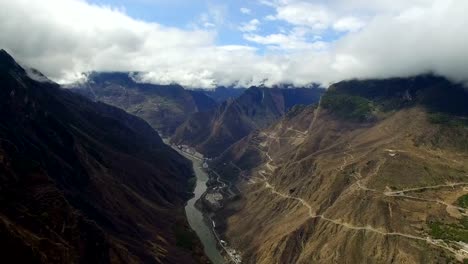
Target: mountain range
x,y
164,107
213,131
366,171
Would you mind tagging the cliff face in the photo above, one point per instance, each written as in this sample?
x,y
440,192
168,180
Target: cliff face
x,y
164,107
84,182
376,174
214,131
221,93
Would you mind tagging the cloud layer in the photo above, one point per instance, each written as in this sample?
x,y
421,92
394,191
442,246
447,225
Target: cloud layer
x,y
64,38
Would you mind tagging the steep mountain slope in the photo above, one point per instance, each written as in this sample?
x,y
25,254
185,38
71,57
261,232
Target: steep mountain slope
x,y
221,94
84,182
164,107
214,131
378,173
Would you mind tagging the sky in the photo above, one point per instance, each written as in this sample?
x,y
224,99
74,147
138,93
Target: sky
x,y
205,43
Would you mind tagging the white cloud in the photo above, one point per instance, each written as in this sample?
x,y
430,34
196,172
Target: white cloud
x,y
270,18
285,42
294,40
245,11
348,24
315,16
250,26
432,39
384,38
209,25
212,19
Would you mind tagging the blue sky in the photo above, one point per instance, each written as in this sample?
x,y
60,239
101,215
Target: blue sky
x,y
225,16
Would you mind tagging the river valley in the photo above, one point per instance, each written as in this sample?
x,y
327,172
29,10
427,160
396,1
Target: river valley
x,y
195,217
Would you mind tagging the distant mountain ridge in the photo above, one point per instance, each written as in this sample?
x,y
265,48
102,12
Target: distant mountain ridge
x,y
164,107
214,131
221,94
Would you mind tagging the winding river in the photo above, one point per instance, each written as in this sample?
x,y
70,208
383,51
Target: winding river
x,y
195,217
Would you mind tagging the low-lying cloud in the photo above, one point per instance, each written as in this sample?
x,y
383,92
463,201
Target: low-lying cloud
x,y
63,38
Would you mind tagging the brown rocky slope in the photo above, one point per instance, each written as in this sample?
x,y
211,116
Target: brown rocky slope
x,y
212,132
376,174
84,182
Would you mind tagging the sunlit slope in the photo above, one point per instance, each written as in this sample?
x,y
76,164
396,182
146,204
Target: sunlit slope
x,y
386,185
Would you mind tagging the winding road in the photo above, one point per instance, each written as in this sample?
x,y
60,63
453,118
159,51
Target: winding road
x,y
394,193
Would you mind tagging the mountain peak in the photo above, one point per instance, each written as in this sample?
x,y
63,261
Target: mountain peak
x,y
4,56
2,52
7,62
117,77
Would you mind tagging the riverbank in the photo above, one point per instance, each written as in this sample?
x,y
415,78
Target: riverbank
x,y
196,217
210,193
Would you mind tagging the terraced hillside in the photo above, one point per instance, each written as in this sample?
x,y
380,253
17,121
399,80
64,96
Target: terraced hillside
x,y
379,174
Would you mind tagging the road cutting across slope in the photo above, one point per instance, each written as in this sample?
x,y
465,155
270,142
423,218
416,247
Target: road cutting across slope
x,y
429,240
397,193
